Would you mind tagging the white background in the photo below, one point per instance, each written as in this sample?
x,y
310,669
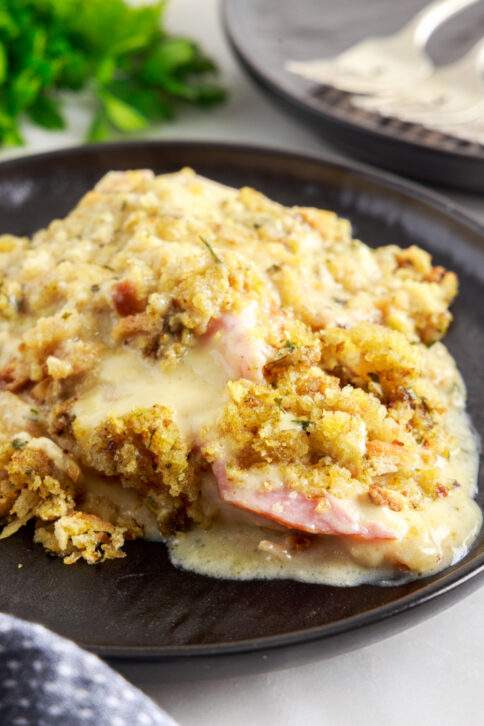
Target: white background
x,y
431,674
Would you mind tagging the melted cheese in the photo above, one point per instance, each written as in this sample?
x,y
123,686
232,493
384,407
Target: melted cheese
x,y
192,388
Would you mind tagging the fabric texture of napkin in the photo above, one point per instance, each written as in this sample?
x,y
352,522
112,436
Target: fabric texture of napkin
x,y
46,680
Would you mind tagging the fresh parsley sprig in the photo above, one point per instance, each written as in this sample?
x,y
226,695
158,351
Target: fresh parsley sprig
x,y
137,73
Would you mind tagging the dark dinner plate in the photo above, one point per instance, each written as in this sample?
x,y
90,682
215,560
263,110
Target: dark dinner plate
x,y
266,33
141,606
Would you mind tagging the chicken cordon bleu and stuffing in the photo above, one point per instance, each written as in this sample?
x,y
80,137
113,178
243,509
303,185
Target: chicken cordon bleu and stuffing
x,y
192,363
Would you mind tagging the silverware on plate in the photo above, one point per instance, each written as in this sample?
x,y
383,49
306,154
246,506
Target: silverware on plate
x,y
451,100
377,65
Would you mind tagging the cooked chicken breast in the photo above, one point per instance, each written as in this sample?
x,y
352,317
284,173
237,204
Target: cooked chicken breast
x,y
180,358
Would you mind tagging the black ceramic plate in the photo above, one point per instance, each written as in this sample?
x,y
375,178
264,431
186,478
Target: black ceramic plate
x,y
267,33
141,606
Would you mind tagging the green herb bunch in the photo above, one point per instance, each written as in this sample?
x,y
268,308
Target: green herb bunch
x,y
137,73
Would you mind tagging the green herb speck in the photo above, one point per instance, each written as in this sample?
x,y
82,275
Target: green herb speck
x,y
303,423
18,443
211,250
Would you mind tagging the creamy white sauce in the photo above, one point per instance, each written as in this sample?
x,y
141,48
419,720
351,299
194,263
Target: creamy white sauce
x,y
192,388
236,552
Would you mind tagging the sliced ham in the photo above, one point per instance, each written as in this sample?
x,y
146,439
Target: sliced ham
x,y
328,515
234,340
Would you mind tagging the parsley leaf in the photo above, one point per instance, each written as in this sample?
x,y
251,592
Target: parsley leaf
x,y
3,63
121,55
99,129
122,116
46,112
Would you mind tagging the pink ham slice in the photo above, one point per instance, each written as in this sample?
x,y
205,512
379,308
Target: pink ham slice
x,y
292,509
242,353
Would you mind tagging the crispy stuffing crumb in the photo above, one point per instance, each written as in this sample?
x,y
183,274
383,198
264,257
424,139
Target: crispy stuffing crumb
x,y
79,535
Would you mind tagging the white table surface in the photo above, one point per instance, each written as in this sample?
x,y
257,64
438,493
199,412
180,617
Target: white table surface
x,y
431,674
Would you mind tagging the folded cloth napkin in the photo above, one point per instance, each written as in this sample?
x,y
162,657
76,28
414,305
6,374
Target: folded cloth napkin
x,y
46,680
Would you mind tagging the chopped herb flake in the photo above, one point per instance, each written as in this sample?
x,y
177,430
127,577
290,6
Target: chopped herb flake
x,y
18,443
303,423
211,250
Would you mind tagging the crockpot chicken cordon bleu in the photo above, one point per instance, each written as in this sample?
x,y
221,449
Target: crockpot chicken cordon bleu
x,y
187,362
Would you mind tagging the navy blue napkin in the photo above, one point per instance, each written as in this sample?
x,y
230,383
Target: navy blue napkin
x,y
46,680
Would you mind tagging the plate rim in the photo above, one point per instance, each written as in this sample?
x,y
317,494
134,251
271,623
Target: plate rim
x,y
259,74
457,574
411,187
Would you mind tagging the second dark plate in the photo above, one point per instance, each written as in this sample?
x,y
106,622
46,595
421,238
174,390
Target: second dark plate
x,y
265,34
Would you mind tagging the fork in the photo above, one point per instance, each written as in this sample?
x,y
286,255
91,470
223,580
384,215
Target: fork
x,y
453,94
377,65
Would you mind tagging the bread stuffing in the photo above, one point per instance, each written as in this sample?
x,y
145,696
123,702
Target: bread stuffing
x,y
198,364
